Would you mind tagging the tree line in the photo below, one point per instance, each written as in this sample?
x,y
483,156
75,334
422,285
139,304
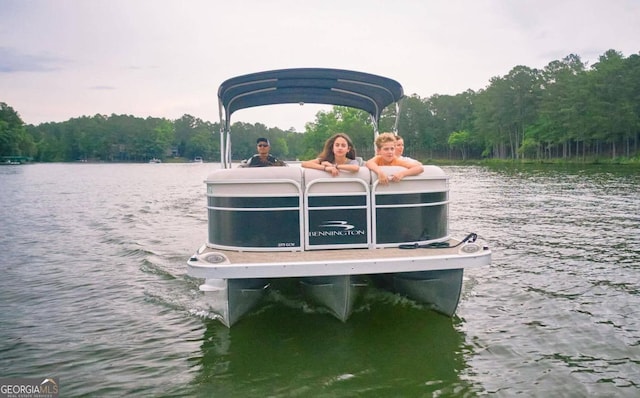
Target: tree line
x,y
566,110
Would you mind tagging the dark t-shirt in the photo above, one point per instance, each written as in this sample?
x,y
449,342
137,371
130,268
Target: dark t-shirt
x,y
256,161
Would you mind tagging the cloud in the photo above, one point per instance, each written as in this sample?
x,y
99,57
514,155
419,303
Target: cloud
x,y
13,61
164,59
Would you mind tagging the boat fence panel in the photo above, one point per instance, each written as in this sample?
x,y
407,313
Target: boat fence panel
x,y
255,208
295,209
414,210
337,210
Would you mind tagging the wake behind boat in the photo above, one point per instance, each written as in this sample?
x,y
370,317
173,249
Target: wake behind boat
x,y
335,235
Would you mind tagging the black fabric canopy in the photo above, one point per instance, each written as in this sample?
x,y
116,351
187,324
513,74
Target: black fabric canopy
x,y
364,91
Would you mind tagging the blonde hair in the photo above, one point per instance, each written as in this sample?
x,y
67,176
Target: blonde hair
x,y
384,138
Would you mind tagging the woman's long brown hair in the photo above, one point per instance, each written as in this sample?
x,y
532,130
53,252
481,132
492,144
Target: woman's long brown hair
x,y
327,151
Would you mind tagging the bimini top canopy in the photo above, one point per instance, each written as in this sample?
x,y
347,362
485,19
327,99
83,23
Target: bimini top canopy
x,y
359,90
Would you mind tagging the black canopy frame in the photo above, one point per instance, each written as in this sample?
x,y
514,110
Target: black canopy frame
x,y
364,91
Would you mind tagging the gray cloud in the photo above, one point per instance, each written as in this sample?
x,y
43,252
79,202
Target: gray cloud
x,y
13,61
122,56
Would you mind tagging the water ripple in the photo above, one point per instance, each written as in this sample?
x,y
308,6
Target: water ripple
x,y
94,290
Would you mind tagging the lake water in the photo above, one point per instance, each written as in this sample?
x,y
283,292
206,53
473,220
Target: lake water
x,y
94,291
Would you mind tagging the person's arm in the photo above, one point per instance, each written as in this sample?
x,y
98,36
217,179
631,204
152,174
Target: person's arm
x,y
313,164
411,160
411,169
373,166
351,167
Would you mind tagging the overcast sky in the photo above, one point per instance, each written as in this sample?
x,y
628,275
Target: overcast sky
x,y
61,59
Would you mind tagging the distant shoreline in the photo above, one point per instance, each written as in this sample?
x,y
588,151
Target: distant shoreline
x,y
435,162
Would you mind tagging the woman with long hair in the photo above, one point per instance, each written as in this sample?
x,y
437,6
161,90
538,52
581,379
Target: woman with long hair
x,y
337,155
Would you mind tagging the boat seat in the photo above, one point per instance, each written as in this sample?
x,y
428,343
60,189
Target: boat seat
x,y
343,181
283,180
431,178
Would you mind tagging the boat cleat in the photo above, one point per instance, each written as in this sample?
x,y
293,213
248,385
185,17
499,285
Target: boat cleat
x,y
204,257
470,248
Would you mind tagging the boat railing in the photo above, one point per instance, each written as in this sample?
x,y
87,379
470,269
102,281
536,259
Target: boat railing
x,y
337,211
257,209
412,210
296,209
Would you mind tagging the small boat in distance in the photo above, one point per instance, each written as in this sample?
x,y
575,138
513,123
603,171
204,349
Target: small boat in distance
x,y
334,236
197,159
155,160
15,160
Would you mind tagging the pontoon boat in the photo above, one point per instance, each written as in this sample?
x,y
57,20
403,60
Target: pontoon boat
x,y
335,235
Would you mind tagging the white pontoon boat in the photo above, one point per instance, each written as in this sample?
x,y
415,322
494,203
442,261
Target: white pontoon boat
x,y
335,235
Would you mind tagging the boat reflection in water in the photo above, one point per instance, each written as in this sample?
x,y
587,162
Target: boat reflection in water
x,y
335,236
395,348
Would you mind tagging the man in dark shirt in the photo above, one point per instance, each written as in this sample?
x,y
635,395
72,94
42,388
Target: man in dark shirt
x,y
263,158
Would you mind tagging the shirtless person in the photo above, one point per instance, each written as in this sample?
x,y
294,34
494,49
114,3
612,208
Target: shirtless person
x,y
386,156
